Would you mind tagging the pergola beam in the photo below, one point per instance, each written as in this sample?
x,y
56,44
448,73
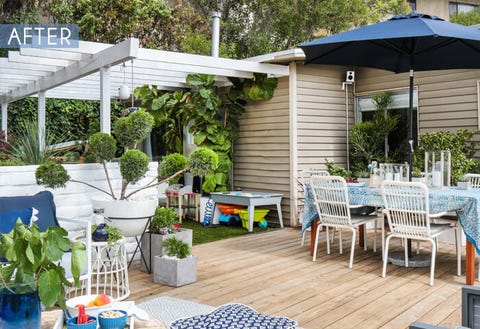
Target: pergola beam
x,y
114,55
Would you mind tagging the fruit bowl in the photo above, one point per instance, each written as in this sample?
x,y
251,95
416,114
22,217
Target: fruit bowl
x,y
93,310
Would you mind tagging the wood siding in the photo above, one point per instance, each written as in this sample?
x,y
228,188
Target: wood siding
x,y
321,116
447,99
262,152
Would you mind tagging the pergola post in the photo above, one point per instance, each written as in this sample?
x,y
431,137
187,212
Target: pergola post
x,y
4,119
105,100
41,119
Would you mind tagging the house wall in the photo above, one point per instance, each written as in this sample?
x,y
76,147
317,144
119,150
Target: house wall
x,y
439,7
447,100
261,154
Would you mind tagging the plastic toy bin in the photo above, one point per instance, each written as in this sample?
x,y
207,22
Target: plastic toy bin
x,y
258,216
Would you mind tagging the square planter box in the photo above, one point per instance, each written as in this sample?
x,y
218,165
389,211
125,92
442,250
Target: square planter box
x,y
156,249
175,272
464,185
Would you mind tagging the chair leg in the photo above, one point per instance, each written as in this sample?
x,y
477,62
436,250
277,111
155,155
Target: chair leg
x,y
432,265
365,238
385,256
352,250
406,254
315,248
303,239
327,229
340,240
458,249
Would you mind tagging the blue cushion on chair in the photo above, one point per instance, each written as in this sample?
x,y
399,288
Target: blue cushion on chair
x,y
42,201
9,218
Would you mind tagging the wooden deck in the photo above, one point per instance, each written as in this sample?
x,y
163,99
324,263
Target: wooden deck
x,y
272,273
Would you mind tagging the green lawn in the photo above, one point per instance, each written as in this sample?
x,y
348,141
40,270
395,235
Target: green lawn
x,y
217,232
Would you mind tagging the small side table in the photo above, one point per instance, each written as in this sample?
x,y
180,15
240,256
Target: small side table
x,y
110,269
192,201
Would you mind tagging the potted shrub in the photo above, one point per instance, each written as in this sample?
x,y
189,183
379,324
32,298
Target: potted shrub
x,y
463,183
164,225
133,165
363,176
33,274
177,267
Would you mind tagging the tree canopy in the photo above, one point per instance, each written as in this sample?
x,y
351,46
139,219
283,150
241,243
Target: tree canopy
x,y
248,27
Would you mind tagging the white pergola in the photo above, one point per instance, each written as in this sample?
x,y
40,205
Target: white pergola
x,y
95,71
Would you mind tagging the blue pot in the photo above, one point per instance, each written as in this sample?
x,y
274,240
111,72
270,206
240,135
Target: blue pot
x,y
19,309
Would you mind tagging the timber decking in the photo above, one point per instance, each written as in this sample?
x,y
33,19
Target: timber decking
x,y
272,273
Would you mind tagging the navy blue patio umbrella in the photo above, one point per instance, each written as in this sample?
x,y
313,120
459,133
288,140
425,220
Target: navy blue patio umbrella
x,y
404,43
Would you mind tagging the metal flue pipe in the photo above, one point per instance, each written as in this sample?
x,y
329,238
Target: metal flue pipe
x,y
215,33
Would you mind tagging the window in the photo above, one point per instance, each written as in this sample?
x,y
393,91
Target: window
x,y
458,7
398,140
413,5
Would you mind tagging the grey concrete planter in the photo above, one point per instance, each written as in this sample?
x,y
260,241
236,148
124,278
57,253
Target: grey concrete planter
x,y
175,272
155,249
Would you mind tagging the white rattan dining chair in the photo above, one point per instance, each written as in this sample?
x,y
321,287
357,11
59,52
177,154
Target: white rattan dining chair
x,y
408,213
474,179
305,180
331,199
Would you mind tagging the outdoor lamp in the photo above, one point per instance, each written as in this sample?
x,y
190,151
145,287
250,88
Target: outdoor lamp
x,y
123,92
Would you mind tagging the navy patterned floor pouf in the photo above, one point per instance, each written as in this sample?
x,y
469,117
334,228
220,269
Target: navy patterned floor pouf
x,y
234,316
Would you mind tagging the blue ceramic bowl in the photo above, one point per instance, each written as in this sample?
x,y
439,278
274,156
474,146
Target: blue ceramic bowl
x,y
72,323
112,323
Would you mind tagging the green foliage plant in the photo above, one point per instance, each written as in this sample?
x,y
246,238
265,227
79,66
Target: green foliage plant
x,y
212,116
365,173
176,248
26,148
367,138
163,220
34,257
335,170
171,163
462,150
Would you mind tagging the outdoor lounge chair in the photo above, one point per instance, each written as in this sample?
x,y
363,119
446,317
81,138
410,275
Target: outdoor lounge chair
x,y
333,208
14,207
407,209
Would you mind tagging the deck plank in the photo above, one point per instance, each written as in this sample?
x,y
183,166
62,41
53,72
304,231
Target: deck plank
x,y
272,273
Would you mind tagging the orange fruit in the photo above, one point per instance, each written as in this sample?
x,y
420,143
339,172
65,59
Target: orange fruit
x,y
101,300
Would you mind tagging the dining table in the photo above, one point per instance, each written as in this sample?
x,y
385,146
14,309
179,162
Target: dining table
x,y
466,204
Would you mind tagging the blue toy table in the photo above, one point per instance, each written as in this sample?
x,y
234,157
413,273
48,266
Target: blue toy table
x,y
249,199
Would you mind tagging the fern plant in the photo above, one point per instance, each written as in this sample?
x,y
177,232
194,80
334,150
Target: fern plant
x,y
176,248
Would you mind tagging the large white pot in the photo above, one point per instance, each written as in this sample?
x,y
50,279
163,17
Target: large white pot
x,y
129,216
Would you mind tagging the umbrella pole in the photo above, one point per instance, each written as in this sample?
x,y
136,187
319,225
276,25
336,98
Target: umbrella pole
x,y
410,127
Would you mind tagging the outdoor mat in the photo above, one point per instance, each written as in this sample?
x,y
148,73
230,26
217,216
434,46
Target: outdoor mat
x,y
236,316
168,309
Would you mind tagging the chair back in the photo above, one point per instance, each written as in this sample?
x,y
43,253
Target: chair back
x,y
331,199
406,205
474,179
306,174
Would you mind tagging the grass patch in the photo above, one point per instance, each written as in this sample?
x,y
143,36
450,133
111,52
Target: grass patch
x,y
203,234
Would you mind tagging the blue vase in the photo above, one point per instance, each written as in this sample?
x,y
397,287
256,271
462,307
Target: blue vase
x,y
19,309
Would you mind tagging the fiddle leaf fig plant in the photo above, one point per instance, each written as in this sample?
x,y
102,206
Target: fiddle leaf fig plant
x,y
133,163
32,258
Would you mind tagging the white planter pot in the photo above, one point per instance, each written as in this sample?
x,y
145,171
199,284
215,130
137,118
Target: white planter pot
x,y
152,245
129,216
175,272
464,185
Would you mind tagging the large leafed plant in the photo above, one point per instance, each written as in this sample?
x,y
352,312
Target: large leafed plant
x,y
32,258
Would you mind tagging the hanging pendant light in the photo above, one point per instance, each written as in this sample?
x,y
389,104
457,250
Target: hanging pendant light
x,y
124,90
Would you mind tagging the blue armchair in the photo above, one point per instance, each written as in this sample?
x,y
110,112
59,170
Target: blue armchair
x,y
14,207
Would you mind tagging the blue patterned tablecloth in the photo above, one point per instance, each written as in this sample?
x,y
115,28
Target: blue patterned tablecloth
x,y
466,203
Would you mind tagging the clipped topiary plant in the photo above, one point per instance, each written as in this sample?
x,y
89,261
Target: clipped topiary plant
x,y
133,163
